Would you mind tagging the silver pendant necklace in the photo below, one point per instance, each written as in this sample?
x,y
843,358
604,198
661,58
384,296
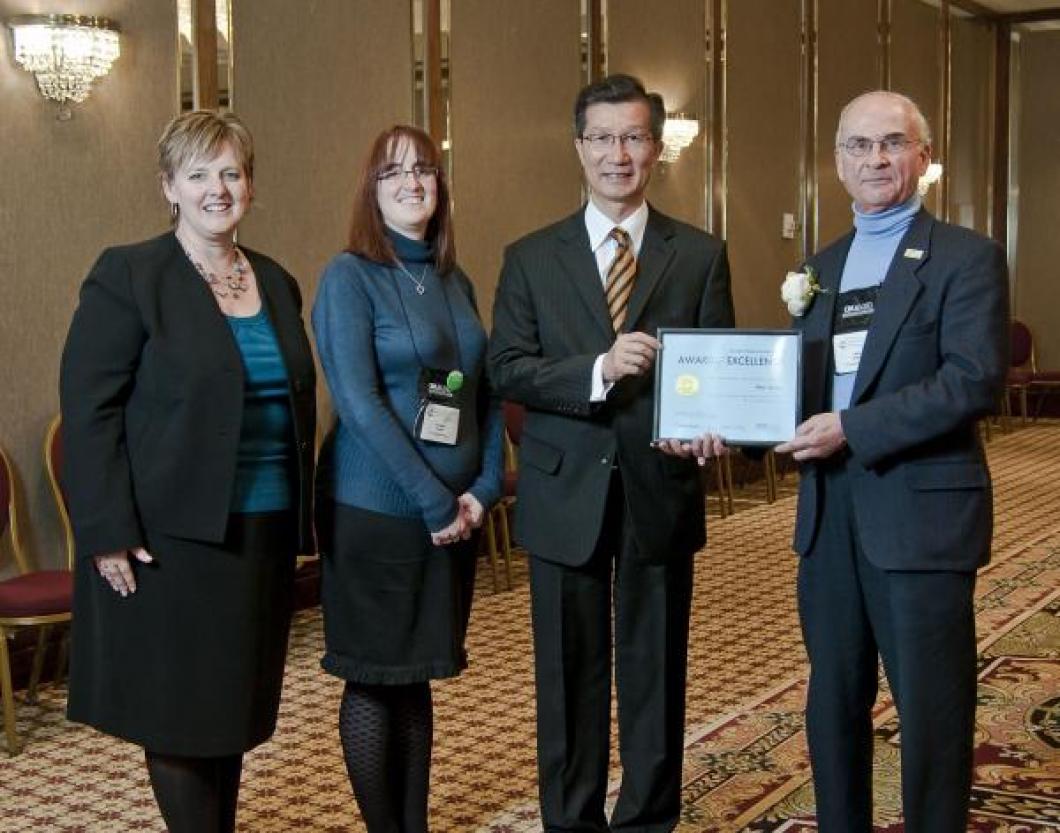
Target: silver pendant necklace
x,y
420,288
234,284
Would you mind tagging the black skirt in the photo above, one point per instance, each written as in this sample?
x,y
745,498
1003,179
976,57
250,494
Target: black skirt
x,y
192,662
396,607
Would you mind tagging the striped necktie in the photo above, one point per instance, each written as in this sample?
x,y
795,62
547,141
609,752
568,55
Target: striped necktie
x,y
620,276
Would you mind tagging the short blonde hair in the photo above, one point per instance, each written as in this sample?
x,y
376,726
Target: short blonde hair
x,y
200,134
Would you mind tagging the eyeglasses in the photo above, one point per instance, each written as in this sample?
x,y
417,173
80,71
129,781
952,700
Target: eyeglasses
x,y
418,172
603,142
892,144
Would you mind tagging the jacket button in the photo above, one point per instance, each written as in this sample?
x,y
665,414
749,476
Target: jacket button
x,y
303,445
604,461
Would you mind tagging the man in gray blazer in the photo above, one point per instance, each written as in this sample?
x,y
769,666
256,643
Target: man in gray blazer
x,y
905,348
610,522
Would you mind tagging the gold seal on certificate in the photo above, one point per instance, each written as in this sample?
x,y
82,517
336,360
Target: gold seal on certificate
x,y
687,385
743,385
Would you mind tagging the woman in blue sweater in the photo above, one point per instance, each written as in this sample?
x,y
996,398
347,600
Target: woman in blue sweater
x,y
407,473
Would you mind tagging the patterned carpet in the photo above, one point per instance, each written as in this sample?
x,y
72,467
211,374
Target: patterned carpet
x,y
746,765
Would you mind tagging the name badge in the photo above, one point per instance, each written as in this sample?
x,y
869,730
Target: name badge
x,y
855,309
846,350
441,396
440,424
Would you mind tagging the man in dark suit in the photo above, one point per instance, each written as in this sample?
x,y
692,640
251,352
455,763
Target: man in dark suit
x,y
905,348
610,522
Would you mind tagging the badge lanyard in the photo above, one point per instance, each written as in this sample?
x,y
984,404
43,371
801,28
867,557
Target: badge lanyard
x,y
438,415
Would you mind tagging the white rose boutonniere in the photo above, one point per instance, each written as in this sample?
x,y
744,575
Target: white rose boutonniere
x,y
799,289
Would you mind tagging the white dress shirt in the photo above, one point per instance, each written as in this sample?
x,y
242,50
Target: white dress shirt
x,y
604,248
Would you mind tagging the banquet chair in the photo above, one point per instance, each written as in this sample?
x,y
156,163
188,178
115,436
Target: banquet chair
x,y
1025,377
32,598
1042,381
1021,370
722,469
498,522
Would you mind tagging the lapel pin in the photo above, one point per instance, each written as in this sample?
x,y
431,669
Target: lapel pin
x,y
914,254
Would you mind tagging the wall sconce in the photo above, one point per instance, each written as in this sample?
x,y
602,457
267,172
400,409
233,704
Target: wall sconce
x,y
932,175
679,130
65,52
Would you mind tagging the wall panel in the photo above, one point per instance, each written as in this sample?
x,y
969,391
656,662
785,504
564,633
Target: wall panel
x,y
1038,256
515,71
669,56
70,188
915,64
316,81
764,151
847,65
971,123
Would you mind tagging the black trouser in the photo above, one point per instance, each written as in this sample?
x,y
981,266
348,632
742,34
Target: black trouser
x,y
572,608
922,624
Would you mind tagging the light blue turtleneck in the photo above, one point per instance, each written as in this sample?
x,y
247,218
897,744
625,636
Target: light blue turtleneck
x,y
876,239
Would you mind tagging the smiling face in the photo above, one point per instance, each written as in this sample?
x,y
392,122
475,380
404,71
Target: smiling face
x,y
880,180
213,195
619,174
407,201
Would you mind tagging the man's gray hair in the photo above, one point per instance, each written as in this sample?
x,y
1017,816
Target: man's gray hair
x,y
920,123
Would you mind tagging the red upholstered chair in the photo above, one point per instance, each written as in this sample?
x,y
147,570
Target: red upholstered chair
x,y
498,526
1024,374
32,598
1042,381
1021,368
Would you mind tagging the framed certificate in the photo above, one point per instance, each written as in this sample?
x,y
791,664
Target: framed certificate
x,y
743,385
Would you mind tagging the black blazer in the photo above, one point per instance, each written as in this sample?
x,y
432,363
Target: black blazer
x,y
934,361
550,322
151,390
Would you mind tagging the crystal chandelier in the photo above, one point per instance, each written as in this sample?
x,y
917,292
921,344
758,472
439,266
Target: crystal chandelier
x,y
66,53
678,132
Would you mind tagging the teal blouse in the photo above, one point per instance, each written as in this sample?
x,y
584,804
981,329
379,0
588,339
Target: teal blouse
x,y
263,467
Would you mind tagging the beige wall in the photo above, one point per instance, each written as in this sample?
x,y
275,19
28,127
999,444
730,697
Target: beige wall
x,y
847,65
69,189
515,71
669,57
315,103
971,124
915,65
762,100
1037,270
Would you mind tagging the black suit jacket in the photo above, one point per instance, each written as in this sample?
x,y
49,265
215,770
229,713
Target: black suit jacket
x,y
934,362
550,322
151,389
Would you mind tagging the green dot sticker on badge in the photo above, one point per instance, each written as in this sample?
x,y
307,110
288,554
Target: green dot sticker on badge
x,y
454,381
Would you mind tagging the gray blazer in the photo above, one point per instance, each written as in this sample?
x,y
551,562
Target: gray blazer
x,y
934,362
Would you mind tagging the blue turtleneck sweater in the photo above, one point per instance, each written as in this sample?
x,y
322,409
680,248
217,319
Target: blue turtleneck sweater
x,y
374,333
876,239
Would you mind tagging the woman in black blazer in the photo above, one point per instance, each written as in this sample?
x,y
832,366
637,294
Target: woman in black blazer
x,y
188,408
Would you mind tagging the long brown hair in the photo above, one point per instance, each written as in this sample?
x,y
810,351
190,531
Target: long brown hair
x,y
368,237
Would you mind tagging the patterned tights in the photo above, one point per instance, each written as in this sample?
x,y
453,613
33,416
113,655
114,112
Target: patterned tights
x,y
386,740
